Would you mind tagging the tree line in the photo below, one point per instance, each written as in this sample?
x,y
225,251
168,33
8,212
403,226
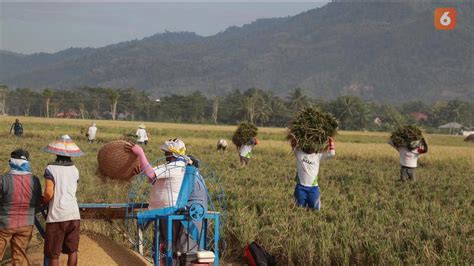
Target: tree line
x,y
257,106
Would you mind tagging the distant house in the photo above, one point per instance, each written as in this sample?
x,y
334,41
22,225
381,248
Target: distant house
x,y
419,116
454,128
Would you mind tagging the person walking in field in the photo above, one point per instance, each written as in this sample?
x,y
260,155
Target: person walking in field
x,y
63,220
307,192
20,194
142,135
91,132
409,159
17,128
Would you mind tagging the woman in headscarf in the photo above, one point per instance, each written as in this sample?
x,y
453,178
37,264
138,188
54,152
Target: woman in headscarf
x,y
20,194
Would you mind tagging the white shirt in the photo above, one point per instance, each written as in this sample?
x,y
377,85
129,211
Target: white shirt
x,y
91,132
307,166
222,143
63,206
408,158
246,151
142,136
165,191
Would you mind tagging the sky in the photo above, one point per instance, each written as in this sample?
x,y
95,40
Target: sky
x,y
38,26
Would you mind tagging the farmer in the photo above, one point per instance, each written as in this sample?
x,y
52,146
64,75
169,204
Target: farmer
x,y
221,145
245,152
20,194
17,128
409,159
91,132
63,221
166,180
142,136
307,166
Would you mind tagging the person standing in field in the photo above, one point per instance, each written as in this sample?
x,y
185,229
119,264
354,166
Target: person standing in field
x,y
245,152
307,192
142,136
17,128
63,220
91,132
20,194
409,159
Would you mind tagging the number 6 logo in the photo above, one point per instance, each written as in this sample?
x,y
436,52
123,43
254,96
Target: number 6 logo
x,y
445,18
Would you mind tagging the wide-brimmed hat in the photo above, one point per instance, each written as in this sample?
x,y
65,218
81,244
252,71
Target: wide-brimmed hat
x,y
63,146
175,146
142,126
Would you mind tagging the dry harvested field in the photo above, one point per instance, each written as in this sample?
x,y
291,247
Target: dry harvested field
x,y
367,217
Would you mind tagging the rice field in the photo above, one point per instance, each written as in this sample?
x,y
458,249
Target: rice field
x,y
367,216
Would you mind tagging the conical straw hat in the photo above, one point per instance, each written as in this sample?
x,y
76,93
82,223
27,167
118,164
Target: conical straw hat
x,y
63,146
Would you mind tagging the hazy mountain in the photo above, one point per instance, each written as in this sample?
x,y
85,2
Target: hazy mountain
x,y
379,51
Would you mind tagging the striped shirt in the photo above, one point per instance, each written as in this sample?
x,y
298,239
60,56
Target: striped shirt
x,y
20,194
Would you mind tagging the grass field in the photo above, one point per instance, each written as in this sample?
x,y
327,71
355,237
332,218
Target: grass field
x,y
367,217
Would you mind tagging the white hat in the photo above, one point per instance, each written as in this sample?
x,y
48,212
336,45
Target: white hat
x,y
175,146
142,126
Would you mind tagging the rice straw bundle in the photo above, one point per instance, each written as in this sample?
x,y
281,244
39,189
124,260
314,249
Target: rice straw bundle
x,y
406,136
245,133
310,129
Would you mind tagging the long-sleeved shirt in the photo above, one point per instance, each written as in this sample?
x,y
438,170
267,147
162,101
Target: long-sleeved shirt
x,y
20,194
91,132
141,135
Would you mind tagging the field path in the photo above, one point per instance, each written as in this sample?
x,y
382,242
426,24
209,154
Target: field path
x,y
95,249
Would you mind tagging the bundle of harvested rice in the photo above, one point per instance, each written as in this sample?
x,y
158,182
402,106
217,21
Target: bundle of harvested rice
x,y
310,129
116,162
245,133
406,136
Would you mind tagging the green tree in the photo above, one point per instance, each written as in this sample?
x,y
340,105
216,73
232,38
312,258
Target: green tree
x,y
297,100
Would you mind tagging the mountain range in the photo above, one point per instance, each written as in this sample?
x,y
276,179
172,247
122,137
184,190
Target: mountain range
x,y
379,51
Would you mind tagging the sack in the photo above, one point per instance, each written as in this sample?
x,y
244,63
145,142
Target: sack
x,y
257,256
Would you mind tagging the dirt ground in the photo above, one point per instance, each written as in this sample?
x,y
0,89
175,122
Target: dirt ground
x,y
94,249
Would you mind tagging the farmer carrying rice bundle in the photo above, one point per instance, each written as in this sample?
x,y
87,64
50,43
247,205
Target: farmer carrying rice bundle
x,y
310,134
63,221
245,138
410,144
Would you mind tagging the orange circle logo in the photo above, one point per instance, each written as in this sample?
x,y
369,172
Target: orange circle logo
x,y
445,18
